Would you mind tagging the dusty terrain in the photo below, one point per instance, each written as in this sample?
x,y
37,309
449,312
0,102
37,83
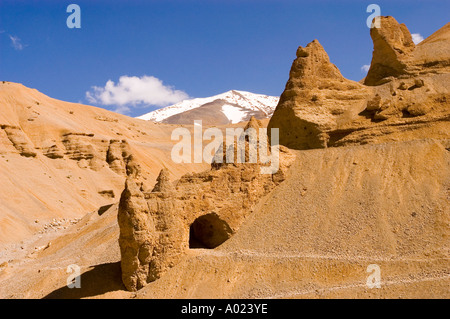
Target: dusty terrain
x,y
364,180
395,218
61,160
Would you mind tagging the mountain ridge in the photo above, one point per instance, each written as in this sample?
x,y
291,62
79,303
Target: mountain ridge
x,y
233,106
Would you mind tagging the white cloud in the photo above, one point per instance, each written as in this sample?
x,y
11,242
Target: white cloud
x,y
122,109
16,42
365,68
133,91
417,38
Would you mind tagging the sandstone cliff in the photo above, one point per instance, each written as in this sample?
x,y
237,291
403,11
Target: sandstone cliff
x,y
316,100
405,96
319,108
202,210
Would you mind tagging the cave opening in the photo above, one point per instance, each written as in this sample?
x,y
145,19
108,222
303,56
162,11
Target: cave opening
x,y
209,231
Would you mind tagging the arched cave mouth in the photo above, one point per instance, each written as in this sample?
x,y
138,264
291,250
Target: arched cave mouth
x,y
209,231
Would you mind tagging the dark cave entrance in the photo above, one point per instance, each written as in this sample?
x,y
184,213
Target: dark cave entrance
x,y
208,231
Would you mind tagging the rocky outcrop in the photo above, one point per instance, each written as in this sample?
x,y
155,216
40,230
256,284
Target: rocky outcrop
x,y
84,148
136,239
317,99
163,184
201,211
95,153
245,149
433,54
392,53
117,156
133,168
19,140
396,56
88,151
53,152
404,97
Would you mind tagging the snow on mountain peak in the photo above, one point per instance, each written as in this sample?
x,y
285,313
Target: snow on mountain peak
x,y
236,106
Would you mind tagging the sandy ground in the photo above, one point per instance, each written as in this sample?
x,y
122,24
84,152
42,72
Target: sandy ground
x,y
314,236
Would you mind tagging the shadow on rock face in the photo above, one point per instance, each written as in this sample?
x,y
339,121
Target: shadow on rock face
x,y
103,209
96,281
209,231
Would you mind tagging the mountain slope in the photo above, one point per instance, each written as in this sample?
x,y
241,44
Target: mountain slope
x,y
314,236
229,107
340,210
61,160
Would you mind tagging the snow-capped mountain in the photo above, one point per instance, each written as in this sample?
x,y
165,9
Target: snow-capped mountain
x,y
229,107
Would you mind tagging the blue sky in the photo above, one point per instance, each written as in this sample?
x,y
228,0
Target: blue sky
x,y
177,49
